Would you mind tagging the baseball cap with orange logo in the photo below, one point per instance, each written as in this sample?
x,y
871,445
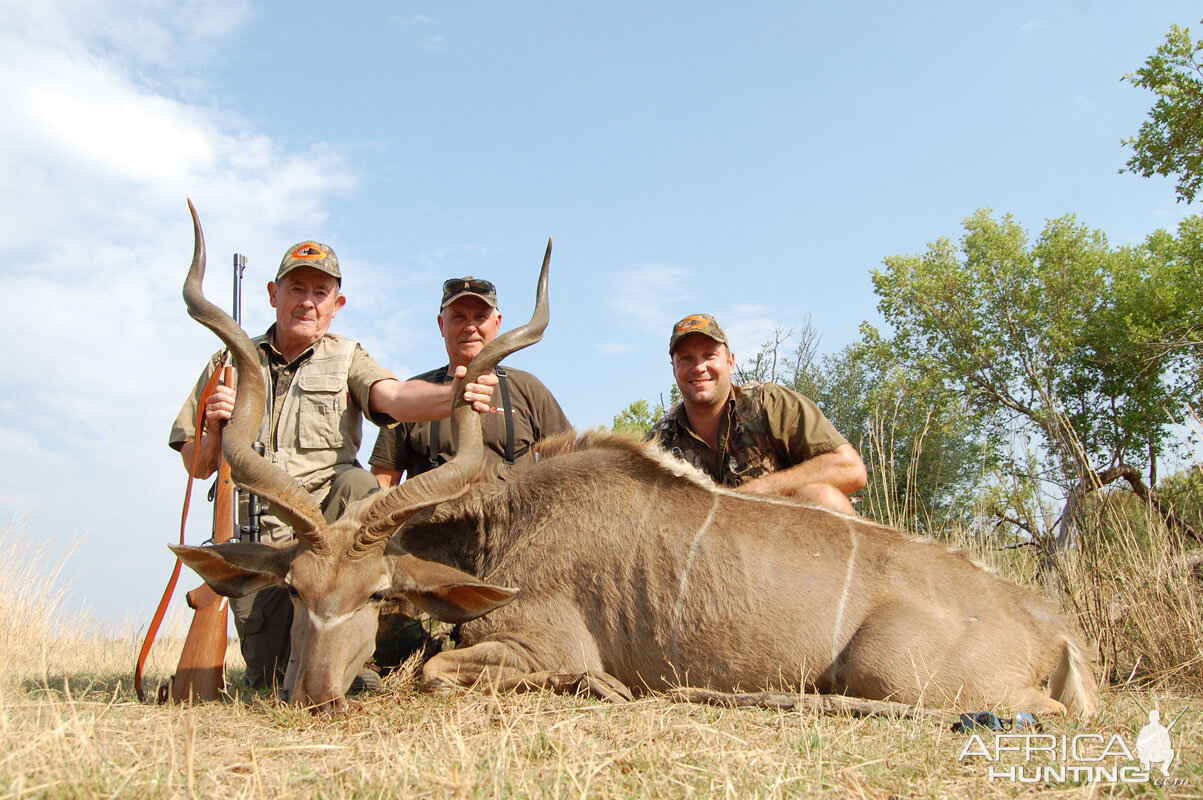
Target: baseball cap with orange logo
x,y
697,323
310,254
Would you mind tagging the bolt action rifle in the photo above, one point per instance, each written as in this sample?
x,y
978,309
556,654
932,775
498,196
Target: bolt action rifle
x,y
200,674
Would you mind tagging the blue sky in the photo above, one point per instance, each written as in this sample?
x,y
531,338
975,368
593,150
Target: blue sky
x,y
755,161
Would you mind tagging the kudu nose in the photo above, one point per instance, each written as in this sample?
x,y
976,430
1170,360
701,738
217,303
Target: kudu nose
x,y
336,707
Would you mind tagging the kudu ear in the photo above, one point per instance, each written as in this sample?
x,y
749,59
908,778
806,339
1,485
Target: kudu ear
x,y
444,592
235,569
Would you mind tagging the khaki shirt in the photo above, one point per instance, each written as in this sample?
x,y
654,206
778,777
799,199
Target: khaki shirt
x,y
312,424
767,428
537,415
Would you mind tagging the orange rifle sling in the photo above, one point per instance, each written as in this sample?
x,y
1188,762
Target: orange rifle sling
x,y
161,611
200,674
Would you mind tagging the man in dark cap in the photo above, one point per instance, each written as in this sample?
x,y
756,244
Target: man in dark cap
x,y
469,318
760,438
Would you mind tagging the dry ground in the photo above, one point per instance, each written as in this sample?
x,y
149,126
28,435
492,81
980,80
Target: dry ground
x,y
70,726
88,737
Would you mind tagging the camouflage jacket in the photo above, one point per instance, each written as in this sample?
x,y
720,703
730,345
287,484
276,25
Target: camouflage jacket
x,y
767,428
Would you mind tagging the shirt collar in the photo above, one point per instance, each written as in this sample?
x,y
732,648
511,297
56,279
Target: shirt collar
x,y
268,346
682,417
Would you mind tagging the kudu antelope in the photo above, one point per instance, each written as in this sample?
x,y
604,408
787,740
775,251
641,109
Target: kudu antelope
x,y
638,573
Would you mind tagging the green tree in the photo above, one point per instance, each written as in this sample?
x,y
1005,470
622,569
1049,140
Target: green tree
x,y
639,417
1170,141
1062,340
636,419
920,446
923,444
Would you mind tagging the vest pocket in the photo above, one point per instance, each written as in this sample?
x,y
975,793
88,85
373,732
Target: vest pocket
x,y
319,411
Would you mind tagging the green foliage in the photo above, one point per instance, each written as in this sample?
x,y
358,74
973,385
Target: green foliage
x,y
636,419
1184,492
1170,141
639,417
1066,339
920,445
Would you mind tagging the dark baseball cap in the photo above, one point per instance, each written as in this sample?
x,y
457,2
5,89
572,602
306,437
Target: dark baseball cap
x,y
455,288
310,254
697,323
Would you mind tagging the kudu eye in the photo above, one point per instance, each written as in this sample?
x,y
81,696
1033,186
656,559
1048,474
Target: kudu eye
x,y
292,590
379,597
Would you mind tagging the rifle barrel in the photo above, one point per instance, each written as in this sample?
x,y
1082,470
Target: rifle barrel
x,y
239,268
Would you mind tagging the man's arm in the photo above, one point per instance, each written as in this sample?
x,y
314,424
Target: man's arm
x,y
420,401
387,478
384,463
408,401
217,410
842,469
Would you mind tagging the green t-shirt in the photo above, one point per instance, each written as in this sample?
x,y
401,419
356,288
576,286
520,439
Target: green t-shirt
x,y
537,415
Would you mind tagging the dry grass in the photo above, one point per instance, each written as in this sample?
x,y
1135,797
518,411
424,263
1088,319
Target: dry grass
x,y
1138,596
70,727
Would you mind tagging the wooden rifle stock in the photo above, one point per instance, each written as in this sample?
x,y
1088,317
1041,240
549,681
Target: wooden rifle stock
x,y
200,674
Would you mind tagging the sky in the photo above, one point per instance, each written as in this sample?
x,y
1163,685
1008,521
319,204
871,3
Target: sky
x,y
755,161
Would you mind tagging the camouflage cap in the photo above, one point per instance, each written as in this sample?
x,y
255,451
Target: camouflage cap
x,y
697,323
310,254
467,286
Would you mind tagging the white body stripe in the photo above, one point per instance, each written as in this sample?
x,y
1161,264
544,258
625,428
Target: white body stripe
x,y
839,614
693,549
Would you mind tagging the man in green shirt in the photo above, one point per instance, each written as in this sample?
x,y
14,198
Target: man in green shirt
x,y
469,318
760,438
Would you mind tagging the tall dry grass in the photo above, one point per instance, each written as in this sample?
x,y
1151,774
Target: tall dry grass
x,y
35,629
1137,594
43,643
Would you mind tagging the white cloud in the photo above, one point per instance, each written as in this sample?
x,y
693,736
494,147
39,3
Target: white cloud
x,y
748,327
97,239
416,19
649,296
165,34
427,41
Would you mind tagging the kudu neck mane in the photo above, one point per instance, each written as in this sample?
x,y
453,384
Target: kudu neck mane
x,y
471,531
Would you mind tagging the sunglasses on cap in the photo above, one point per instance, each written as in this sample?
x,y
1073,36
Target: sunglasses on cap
x,y
471,285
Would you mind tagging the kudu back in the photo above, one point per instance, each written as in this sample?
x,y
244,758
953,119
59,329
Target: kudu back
x,y
638,573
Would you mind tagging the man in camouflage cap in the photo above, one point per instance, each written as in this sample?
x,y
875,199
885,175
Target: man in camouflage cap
x,y
760,438
319,388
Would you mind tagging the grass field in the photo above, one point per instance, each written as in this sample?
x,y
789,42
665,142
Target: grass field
x,y
70,726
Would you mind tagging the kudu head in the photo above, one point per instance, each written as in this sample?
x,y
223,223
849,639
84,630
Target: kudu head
x,y
338,574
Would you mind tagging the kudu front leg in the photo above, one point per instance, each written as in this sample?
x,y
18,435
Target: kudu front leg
x,y
498,665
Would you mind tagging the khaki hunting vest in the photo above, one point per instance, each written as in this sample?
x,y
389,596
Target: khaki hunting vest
x,y
319,431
